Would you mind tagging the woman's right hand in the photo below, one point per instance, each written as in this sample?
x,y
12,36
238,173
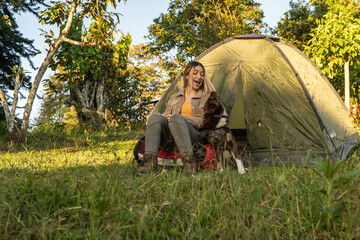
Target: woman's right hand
x,y
168,117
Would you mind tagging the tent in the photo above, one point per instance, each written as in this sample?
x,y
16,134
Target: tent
x,y
280,104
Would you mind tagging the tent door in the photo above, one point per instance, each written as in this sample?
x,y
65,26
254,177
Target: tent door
x,y
236,110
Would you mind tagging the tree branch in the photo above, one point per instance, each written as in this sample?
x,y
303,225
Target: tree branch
x,y
65,39
42,70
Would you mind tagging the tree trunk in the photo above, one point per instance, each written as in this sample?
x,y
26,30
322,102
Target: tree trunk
x,y
91,114
347,84
42,70
5,107
100,103
15,100
13,132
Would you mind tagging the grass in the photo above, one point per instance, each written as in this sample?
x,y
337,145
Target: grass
x,y
82,187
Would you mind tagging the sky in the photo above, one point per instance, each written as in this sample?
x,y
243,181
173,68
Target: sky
x,y
137,15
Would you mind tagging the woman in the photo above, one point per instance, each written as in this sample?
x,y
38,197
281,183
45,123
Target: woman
x,y
183,117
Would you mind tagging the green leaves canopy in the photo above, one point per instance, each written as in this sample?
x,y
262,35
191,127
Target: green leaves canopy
x,y
335,41
296,24
335,44
191,26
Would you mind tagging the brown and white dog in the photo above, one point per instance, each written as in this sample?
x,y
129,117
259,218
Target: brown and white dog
x,y
219,135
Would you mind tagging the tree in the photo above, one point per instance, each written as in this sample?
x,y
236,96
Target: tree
x,y
127,99
59,13
10,114
297,23
191,26
13,45
91,73
335,43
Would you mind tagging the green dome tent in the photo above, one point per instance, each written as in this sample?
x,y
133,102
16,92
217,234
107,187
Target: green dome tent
x,y
279,102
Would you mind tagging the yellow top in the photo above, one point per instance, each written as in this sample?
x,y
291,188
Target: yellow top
x,y
186,109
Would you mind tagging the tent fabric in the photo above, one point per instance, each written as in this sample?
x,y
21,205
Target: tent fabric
x,y
284,107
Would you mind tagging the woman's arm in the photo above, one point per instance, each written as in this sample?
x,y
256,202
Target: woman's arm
x,y
197,122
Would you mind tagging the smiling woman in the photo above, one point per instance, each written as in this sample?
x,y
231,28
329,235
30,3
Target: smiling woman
x,y
180,123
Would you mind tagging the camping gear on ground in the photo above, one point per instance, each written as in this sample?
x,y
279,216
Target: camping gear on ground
x,y
279,103
203,154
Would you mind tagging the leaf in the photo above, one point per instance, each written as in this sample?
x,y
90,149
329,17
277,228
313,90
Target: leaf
x,y
340,42
321,164
281,178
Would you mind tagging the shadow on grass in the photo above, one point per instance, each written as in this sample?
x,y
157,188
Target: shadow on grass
x,y
77,142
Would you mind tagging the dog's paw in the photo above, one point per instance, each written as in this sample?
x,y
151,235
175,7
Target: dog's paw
x,y
240,166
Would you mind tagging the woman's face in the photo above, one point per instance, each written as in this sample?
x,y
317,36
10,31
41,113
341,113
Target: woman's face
x,y
195,77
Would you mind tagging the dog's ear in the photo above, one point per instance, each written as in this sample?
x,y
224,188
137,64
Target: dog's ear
x,y
214,95
218,97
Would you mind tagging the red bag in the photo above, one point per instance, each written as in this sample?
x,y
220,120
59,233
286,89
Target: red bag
x,y
173,158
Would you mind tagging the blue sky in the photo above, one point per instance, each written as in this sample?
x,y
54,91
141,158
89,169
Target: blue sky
x,y
137,15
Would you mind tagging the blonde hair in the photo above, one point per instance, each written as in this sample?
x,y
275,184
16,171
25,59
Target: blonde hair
x,y
207,86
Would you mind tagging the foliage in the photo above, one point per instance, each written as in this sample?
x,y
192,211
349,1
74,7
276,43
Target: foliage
x,y
71,118
79,185
145,80
89,64
128,101
59,13
296,24
128,106
84,67
330,199
3,130
336,41
321,28
13,45
54,102
191,26
152,67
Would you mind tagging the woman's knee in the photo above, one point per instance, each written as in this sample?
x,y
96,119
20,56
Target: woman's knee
x,y
177,118
156,118
177,121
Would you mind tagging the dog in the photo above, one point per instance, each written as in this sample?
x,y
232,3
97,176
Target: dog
x,y
219,134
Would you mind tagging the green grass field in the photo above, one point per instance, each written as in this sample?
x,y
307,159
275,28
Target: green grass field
x,y
82,187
